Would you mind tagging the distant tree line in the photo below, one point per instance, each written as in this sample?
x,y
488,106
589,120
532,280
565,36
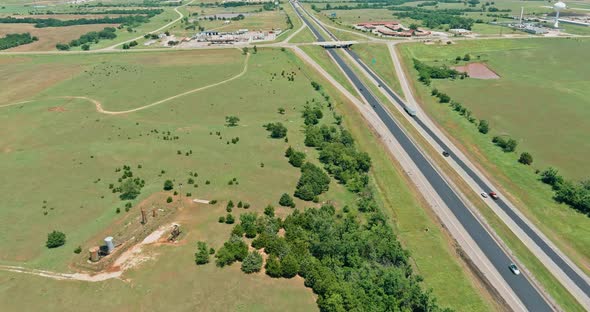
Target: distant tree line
x,y
436,18
91,37
148,12
52,22
15,40
145,3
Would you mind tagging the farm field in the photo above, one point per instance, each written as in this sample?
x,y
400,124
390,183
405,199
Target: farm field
x,y
536,100
49,36
93,145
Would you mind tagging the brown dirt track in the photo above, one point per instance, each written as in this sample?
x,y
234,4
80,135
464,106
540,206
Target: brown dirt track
x,y
478,71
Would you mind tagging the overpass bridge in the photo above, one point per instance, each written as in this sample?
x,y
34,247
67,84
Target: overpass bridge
x,y
335,44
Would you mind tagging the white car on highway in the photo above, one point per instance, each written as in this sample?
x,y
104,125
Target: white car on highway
x,y
514,269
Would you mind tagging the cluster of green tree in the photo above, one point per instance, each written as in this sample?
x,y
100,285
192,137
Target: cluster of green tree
x,y
343,161
312,115
350,265
55,239
148,12
507,144
576,195
235,249
238,17
269,6
427,73
202,254
437,18
277,130
494,9
295,158
127,46
130,187
144,3
15,40
91,37
313,182
130,20
286,201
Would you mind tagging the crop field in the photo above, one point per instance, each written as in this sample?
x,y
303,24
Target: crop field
x,y
73,152
539,96
49,36
264,21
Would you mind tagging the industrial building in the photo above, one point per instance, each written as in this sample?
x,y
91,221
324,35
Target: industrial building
x,y
391,29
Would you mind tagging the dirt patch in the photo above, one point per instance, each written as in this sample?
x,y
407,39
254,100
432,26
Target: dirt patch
x,y
478,71
57,109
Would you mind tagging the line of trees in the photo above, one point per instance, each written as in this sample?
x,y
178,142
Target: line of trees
x,y
436,19
52,22
15,40
89,38
144,3
148,12
576,195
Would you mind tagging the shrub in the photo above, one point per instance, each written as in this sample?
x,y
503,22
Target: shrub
x,y
238,230
221,219
202,254
78,250
296,159
229,219
507,144
277,130
130,189
286,201
233,250
483,126
313,181
169,199
211,251
168,185
232,121
269,211
252,263
55,239
273,267
240,204
248,223
289,266
525,158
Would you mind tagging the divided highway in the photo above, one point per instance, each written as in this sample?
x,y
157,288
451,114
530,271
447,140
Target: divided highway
x,y
521,286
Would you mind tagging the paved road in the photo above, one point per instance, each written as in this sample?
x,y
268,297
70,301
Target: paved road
x,y
523,288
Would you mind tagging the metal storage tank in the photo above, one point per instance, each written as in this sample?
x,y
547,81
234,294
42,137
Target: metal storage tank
x,y
109,242
94,254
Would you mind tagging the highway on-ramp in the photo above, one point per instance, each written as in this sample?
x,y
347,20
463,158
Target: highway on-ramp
x,y
521,286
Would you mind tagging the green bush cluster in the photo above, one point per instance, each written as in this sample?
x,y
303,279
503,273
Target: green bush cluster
x,y
15,40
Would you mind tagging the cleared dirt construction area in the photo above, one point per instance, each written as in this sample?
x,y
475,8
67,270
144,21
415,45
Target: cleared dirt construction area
x,y
477,71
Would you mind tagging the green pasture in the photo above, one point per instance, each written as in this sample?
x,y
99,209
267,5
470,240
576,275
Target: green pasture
x,y
541,100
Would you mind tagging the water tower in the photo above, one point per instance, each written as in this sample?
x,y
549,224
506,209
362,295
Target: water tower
x,y
558,6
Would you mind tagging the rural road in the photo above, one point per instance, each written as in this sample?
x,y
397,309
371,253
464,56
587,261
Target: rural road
x,y
563,268
527,293
180,16
569,274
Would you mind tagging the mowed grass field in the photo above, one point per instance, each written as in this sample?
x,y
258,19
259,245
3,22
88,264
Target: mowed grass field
x,y
541,100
